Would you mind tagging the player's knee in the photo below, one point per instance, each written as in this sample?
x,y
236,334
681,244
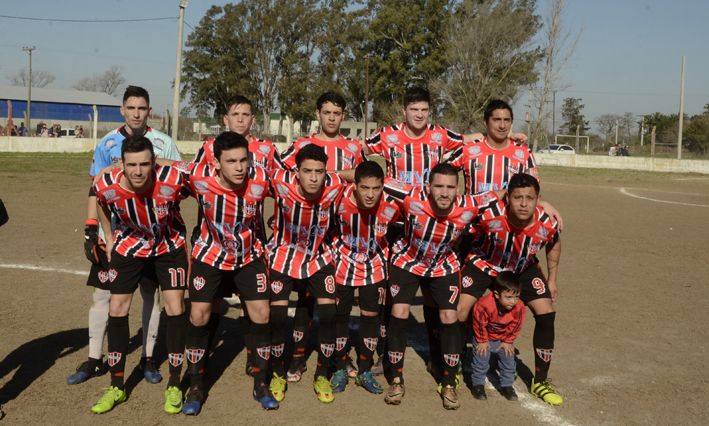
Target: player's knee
x,y
259,311
327,313
279,315
448,316
400,311
545,320
199,314
101,300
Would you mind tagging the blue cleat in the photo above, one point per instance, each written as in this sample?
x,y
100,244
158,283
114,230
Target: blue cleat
x,y
369,383
339,380
150,371
264,395
193,402
88,369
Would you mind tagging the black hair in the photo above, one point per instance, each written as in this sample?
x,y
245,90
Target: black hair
x,y
523,180
445,169
311,152
238,100
332,97
227,141
494,105
138,92
369,169
136,144
509,281
416,94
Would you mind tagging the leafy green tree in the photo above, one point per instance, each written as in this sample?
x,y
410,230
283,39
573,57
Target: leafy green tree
x,y
572,116
695,137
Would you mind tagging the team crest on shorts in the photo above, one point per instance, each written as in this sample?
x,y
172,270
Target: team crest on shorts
x,y
277,351
112,274
297,335
341,343
383,331
103,276
114,358
198,283
545,354
276,286
337,301
194,355
371,343
394,290
264,352
395,357
176,359
327,349
467,282
451,359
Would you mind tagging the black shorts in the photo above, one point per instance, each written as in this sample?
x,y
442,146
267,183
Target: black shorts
x,y
321,284
403,286
169,271
98,276
371,297
534,284
208,283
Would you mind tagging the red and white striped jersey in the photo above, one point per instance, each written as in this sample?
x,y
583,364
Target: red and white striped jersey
x,y
410,160
500,246
360,244
228,219
489,169
262,153
298,247
342,154
425,247
149,222
489,325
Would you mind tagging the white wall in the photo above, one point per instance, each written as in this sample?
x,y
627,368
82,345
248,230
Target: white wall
x,y
624,163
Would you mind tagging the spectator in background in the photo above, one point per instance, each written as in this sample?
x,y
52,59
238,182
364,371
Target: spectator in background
x,y
58,131
624,151
611,152
23,130
40,126
80,133
44,131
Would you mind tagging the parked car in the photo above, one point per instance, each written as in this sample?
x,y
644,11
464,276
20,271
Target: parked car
x,y
557,149
66,133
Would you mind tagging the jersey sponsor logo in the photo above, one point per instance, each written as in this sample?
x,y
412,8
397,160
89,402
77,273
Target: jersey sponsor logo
x,y
341,342
497,241
201,185
181,165
429,246
352,147
194,355
297,335
207,205
418,226
495,225
282,189
371,343
264,352
276,287
357,243
436,138
161,211
277,350
103,276
109,195
331,195
265,149
176,359
533,248
397,155
396,184
304,143
466,216
395,357
314,230
342,209
479,167
394,290
114,358
383,331
486,198
250,209
474,150
198,283
542,232
416,207
232,245
415,178
361,257
115,159
110,143
158,143
327,349
467,282
112,274
345,223
389,212
487,187
257,189
451,359
393,139
166,191
120,211
545,354
381,228
286,209
519,153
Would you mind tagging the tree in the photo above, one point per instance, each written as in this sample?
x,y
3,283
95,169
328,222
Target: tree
x,y
695,137
606,123
39,78
571,114
626,121
490,56
110,82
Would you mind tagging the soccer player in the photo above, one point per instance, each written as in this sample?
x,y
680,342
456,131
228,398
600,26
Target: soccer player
x,y
423,257
306,202
228,255
136,109
147,246
508,240
362,255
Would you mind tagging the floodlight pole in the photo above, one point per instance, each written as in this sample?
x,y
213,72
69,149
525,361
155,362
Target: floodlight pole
x,y
178,72
29,87
681,115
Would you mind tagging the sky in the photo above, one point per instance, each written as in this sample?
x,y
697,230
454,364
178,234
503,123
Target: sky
x,y
629,58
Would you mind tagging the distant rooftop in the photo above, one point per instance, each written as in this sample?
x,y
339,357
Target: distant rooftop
x,y
19,93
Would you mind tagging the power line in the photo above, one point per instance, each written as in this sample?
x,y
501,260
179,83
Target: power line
x,y
89,21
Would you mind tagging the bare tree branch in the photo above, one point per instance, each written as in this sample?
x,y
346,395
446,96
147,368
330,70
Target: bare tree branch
x,y
39,78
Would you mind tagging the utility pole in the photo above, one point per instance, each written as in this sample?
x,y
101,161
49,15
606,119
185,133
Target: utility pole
x,y
553,117
29,87
366,101
681,115
178,72
642,129
616,132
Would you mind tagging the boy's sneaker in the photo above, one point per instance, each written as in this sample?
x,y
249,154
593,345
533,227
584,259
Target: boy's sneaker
x,y
88,369
323,390
296,370
368,382
449,394
173,400
110,399
193,402
395,393
339,380
509,393
150,371
479,392
265,397
278,387
544,391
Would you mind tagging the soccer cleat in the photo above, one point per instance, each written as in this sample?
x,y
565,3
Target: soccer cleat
x,y
544,391
110,399
193,402
381,365
323,390
395,393
173,400
88,369
249,370
150,371
339,380
296,370
439,389
509,393
479,392
351,369
278,387
267,399
449,394
368,382
436,371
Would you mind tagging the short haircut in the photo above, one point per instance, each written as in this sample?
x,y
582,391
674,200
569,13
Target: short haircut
x,y
227,141
495,105
509,281
138,92
523,180
136,144
369,169
311,152
416,94
445,169
238,100
332,97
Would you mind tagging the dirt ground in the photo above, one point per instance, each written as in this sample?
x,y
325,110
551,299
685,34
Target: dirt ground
x,y
631,334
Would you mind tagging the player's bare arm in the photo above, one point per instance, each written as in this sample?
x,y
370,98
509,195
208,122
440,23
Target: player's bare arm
x,y
551,211
104,216
553,255
347,175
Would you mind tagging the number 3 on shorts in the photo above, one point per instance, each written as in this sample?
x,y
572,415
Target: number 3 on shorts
x,y
261,282
330,284
539,285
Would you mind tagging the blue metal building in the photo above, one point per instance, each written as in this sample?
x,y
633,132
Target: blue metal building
x,y
59,105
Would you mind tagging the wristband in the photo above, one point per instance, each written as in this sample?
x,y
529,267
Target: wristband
x,y
90,222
